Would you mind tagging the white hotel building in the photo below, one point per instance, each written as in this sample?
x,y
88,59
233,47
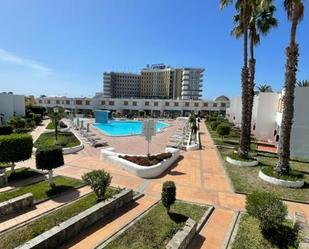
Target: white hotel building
x,y
11,105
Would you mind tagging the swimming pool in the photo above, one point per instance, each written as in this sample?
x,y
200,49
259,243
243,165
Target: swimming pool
x,y
125,128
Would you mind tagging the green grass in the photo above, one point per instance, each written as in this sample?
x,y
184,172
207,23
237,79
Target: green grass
x,y
22,173
249,236
65,139
41,190
21,235
50,126
235,156
292,176
4,165
156,228
246,179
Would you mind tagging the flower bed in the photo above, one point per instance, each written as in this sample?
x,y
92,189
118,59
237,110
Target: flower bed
x,y
235,159
147,161
142,171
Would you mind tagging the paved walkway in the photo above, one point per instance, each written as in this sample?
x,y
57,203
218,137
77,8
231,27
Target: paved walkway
x,y
102,230
25,215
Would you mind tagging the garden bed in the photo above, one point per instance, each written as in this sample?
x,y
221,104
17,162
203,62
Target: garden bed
x,y
157,228
249,236
235,159
65,140
22,173
147,161
41,191
19,236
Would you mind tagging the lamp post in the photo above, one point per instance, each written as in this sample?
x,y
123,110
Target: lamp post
x,y
56,111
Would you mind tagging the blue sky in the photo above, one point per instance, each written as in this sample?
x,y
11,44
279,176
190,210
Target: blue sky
x,y
62,47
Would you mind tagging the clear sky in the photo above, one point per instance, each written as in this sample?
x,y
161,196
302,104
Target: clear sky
x,y
62,47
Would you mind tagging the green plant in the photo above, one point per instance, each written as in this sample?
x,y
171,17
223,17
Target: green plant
x,y
49,158
214,124
267,208
223,129
6,130
17,123
168,195
37,118
15,148
98,180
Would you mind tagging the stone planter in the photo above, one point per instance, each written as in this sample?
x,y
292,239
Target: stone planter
x,y
16,204
280,182
242,163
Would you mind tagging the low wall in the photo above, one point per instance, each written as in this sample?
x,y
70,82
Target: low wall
x,y
16,204
141,171
242,163
302,227
3,180
65,231
280,182
183,237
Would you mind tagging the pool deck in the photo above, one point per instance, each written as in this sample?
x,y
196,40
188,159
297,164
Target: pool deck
x,y
137,144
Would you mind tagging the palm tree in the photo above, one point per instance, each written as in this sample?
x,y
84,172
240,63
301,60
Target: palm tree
x,y
264,88
303,83
260,23
295,13
244,10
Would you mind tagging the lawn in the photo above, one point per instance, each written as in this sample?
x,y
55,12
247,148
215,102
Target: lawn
x,y
249,236
65,139
4,165
41,190
23,234
156,228
22,173
50,126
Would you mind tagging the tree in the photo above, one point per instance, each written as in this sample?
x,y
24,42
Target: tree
x,y
15,148
264,88
98,180
267,208
56,114
17,123
223,129
168,194
49,158
295,13
260,22
303,83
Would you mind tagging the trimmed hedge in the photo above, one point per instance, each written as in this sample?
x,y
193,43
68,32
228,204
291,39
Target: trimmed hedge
x,y
15,147
168,195
49,158
6,130
214,125
223,129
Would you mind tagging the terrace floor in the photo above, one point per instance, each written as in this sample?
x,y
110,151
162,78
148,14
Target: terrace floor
x,y
199,176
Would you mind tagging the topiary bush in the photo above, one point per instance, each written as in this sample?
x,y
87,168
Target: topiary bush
x,y
15,148
168,195
214,124
37,118
49,158
223,129
6,130
98,180
268,209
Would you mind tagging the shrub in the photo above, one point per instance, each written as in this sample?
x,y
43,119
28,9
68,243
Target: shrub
x,y
211,119
62,125
17,123
98,180
268,209
15,148
40,110
214,124
6,130
168,194
223,129
37,118
49,158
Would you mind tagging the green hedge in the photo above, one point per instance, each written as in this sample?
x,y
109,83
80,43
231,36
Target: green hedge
x,y
15,147
6,130
214,124
49,158
223,129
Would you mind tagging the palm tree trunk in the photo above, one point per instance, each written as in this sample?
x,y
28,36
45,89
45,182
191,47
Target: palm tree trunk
x,y
251,85
244,138
283,166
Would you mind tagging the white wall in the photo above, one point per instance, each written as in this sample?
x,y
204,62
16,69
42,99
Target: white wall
x,y
10,103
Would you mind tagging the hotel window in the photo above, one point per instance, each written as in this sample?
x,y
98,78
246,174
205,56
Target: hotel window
x,y
40,101
215,104
155,103
196,104
87,102
176,104
167,103
48,101
102,102
78,102
187,104
134,103
67,102
111,102
222,104
205,104
57,102
125,102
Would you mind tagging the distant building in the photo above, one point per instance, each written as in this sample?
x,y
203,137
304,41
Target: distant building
x,y
155,82
11,105
29,100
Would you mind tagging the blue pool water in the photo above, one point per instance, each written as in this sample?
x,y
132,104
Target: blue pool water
x,y
125,128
